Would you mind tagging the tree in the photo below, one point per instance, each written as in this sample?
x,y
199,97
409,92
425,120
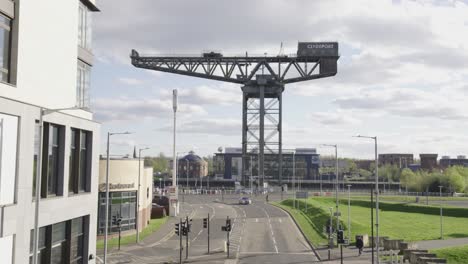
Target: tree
x,y
455,180
407,176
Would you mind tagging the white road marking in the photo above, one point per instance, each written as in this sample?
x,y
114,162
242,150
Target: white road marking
x,y
271,228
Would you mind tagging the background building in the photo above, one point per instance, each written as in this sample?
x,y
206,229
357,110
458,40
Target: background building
x,y
396,159
45,64
446,161
227,165
192,166
428,161
123,191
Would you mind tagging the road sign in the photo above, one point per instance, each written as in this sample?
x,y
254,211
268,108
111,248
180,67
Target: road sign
x,y
302,195
337,214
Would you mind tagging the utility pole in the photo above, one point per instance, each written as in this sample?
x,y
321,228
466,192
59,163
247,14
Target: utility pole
x,y
181,232
187,227
174,201
372,223
441,230
349,213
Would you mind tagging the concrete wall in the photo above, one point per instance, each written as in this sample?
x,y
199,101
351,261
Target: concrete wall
x,y
47,55
18,219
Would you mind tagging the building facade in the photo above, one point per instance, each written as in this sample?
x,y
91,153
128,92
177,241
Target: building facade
x,y
192,166
123,193
396,159
227,165
45,65
446,161
428,161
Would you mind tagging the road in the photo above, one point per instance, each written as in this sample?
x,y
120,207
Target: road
x,y
261,233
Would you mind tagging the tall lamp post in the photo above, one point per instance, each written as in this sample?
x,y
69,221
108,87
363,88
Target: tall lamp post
x,y
174,201
441,230
376,195
106,225
336,183
43,112
138,195
349,213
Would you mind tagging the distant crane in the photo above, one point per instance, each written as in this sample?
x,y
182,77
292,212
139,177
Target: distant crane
x,y
261,93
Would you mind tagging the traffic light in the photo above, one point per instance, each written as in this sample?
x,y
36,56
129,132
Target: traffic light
x,y
228,225
189,226
177,229
340,237
205,222
184,230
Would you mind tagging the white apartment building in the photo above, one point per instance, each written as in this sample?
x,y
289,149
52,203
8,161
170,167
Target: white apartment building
x,y
45,63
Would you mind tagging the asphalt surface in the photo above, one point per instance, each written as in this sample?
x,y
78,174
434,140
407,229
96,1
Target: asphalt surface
x,y
261,233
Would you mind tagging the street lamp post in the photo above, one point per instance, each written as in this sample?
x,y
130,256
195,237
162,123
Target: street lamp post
x,y
174,203
337,212
441,230
294,178
138,196
376,196
42,112
106,225
188,164
349,213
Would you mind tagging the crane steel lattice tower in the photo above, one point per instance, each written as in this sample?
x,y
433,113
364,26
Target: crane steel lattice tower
x,y
263,79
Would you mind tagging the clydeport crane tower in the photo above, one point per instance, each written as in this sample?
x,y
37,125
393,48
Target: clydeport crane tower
x,y
262,80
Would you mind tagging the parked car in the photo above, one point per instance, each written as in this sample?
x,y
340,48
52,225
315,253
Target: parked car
x,y
245,200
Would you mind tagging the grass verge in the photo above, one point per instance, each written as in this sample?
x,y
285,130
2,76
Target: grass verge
x,y
307,225
454,255
400,221
153,226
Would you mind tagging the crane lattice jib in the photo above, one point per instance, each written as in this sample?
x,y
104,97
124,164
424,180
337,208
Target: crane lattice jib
x,y
242,70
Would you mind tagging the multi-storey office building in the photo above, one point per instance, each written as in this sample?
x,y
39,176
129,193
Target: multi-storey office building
x,y
227,165
401,160
45,64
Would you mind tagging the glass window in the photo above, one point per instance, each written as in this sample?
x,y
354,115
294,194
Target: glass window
x,y
73,158
80,151
5,36
83,161
76,252
36,153
83,84
53,160
84,27
41,247
122,204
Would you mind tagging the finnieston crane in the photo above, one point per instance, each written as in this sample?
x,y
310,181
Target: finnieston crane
x,y
262,80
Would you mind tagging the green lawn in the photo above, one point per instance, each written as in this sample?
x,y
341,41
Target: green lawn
x,y
454,255
403,198
153,226
400,221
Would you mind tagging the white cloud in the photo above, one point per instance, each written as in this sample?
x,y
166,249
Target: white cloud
x,y
210,126
126,109
130,81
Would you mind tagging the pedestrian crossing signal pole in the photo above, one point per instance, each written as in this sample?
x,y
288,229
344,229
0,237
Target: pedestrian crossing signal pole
x,y
180,232
206,224
227,228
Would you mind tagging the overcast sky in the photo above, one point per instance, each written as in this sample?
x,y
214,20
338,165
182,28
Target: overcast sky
x,y
402,74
